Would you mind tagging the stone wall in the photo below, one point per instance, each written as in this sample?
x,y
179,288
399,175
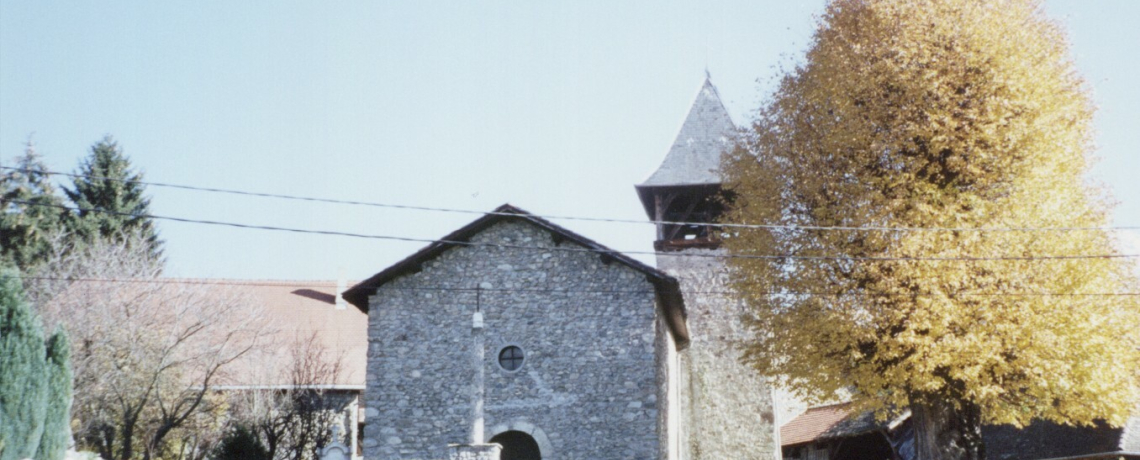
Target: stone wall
x,y
587,388
727,407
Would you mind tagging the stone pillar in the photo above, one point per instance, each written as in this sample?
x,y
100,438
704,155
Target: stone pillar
x,y
477,409
474,451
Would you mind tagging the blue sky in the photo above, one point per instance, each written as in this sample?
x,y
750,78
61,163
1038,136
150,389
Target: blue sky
x,y
557,107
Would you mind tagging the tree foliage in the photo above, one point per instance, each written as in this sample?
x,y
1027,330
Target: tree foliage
x,y
147,352
110,198
23,393
26,229
35,380
241,444
955,114
57,422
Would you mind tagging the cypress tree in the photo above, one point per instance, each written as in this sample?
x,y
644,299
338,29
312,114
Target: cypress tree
x,y
57,420
241,443
110,197
25,229
23,389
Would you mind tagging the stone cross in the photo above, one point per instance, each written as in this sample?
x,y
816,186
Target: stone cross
x,y
477,409
476,450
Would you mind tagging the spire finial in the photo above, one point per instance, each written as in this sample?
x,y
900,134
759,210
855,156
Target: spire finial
x,y
708,76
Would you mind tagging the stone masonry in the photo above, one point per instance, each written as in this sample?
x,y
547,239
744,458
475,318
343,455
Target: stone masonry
x,y
724,408
474,452
588,387
727,407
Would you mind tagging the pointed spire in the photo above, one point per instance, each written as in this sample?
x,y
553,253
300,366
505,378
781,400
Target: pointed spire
x,y
707,132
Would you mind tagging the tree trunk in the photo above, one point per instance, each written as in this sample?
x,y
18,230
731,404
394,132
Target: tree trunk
x,y
945,432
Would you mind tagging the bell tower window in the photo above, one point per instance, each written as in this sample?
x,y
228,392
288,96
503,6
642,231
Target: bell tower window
x,y
687,217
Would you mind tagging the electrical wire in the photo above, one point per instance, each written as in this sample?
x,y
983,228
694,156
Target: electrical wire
x,y
578,218
323,285
779,257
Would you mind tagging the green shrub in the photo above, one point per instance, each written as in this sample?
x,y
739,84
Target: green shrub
x,y
57,429
23,382
241,444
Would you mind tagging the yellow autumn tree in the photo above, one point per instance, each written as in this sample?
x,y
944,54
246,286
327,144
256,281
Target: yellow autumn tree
x,y
923,127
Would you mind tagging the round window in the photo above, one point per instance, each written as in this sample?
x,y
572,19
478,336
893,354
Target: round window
x,y
511,358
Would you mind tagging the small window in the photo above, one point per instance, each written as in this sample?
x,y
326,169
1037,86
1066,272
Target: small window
x,y
511,358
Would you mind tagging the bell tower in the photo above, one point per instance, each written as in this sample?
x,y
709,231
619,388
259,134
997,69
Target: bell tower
x,y
687,185
715,406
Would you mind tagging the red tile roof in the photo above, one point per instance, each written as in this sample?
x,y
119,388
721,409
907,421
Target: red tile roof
x,y
829,422
812,424
299,310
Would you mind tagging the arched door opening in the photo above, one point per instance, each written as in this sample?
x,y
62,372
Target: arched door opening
x,y
517,446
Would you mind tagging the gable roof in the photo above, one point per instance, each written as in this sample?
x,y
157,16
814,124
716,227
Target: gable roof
x,y
668,289
299,318
830,422
303,314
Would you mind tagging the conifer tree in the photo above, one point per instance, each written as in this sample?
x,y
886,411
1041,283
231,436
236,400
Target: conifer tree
x,y
23,389
110,198
26,229
57,419
951,115
241,443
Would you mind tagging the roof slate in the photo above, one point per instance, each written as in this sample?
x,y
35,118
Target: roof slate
x,y
694,158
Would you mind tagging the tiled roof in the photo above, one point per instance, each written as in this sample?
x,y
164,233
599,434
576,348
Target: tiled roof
x,y
826,422
298,311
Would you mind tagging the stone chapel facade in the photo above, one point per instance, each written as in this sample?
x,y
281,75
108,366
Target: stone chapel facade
x,y
588,354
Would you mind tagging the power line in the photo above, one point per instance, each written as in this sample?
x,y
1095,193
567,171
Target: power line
x,y
566,249
207,282
579,218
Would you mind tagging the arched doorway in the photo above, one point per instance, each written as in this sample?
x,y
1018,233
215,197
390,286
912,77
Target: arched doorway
x,y
517,446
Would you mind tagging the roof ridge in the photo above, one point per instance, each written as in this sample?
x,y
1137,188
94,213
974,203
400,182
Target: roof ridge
x,y
830,406
668,288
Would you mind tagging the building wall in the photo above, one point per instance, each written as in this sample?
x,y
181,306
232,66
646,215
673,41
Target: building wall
x,y
588,386
727,407
1130,435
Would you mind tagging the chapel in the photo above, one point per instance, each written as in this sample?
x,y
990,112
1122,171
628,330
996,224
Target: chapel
x,y
516,331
